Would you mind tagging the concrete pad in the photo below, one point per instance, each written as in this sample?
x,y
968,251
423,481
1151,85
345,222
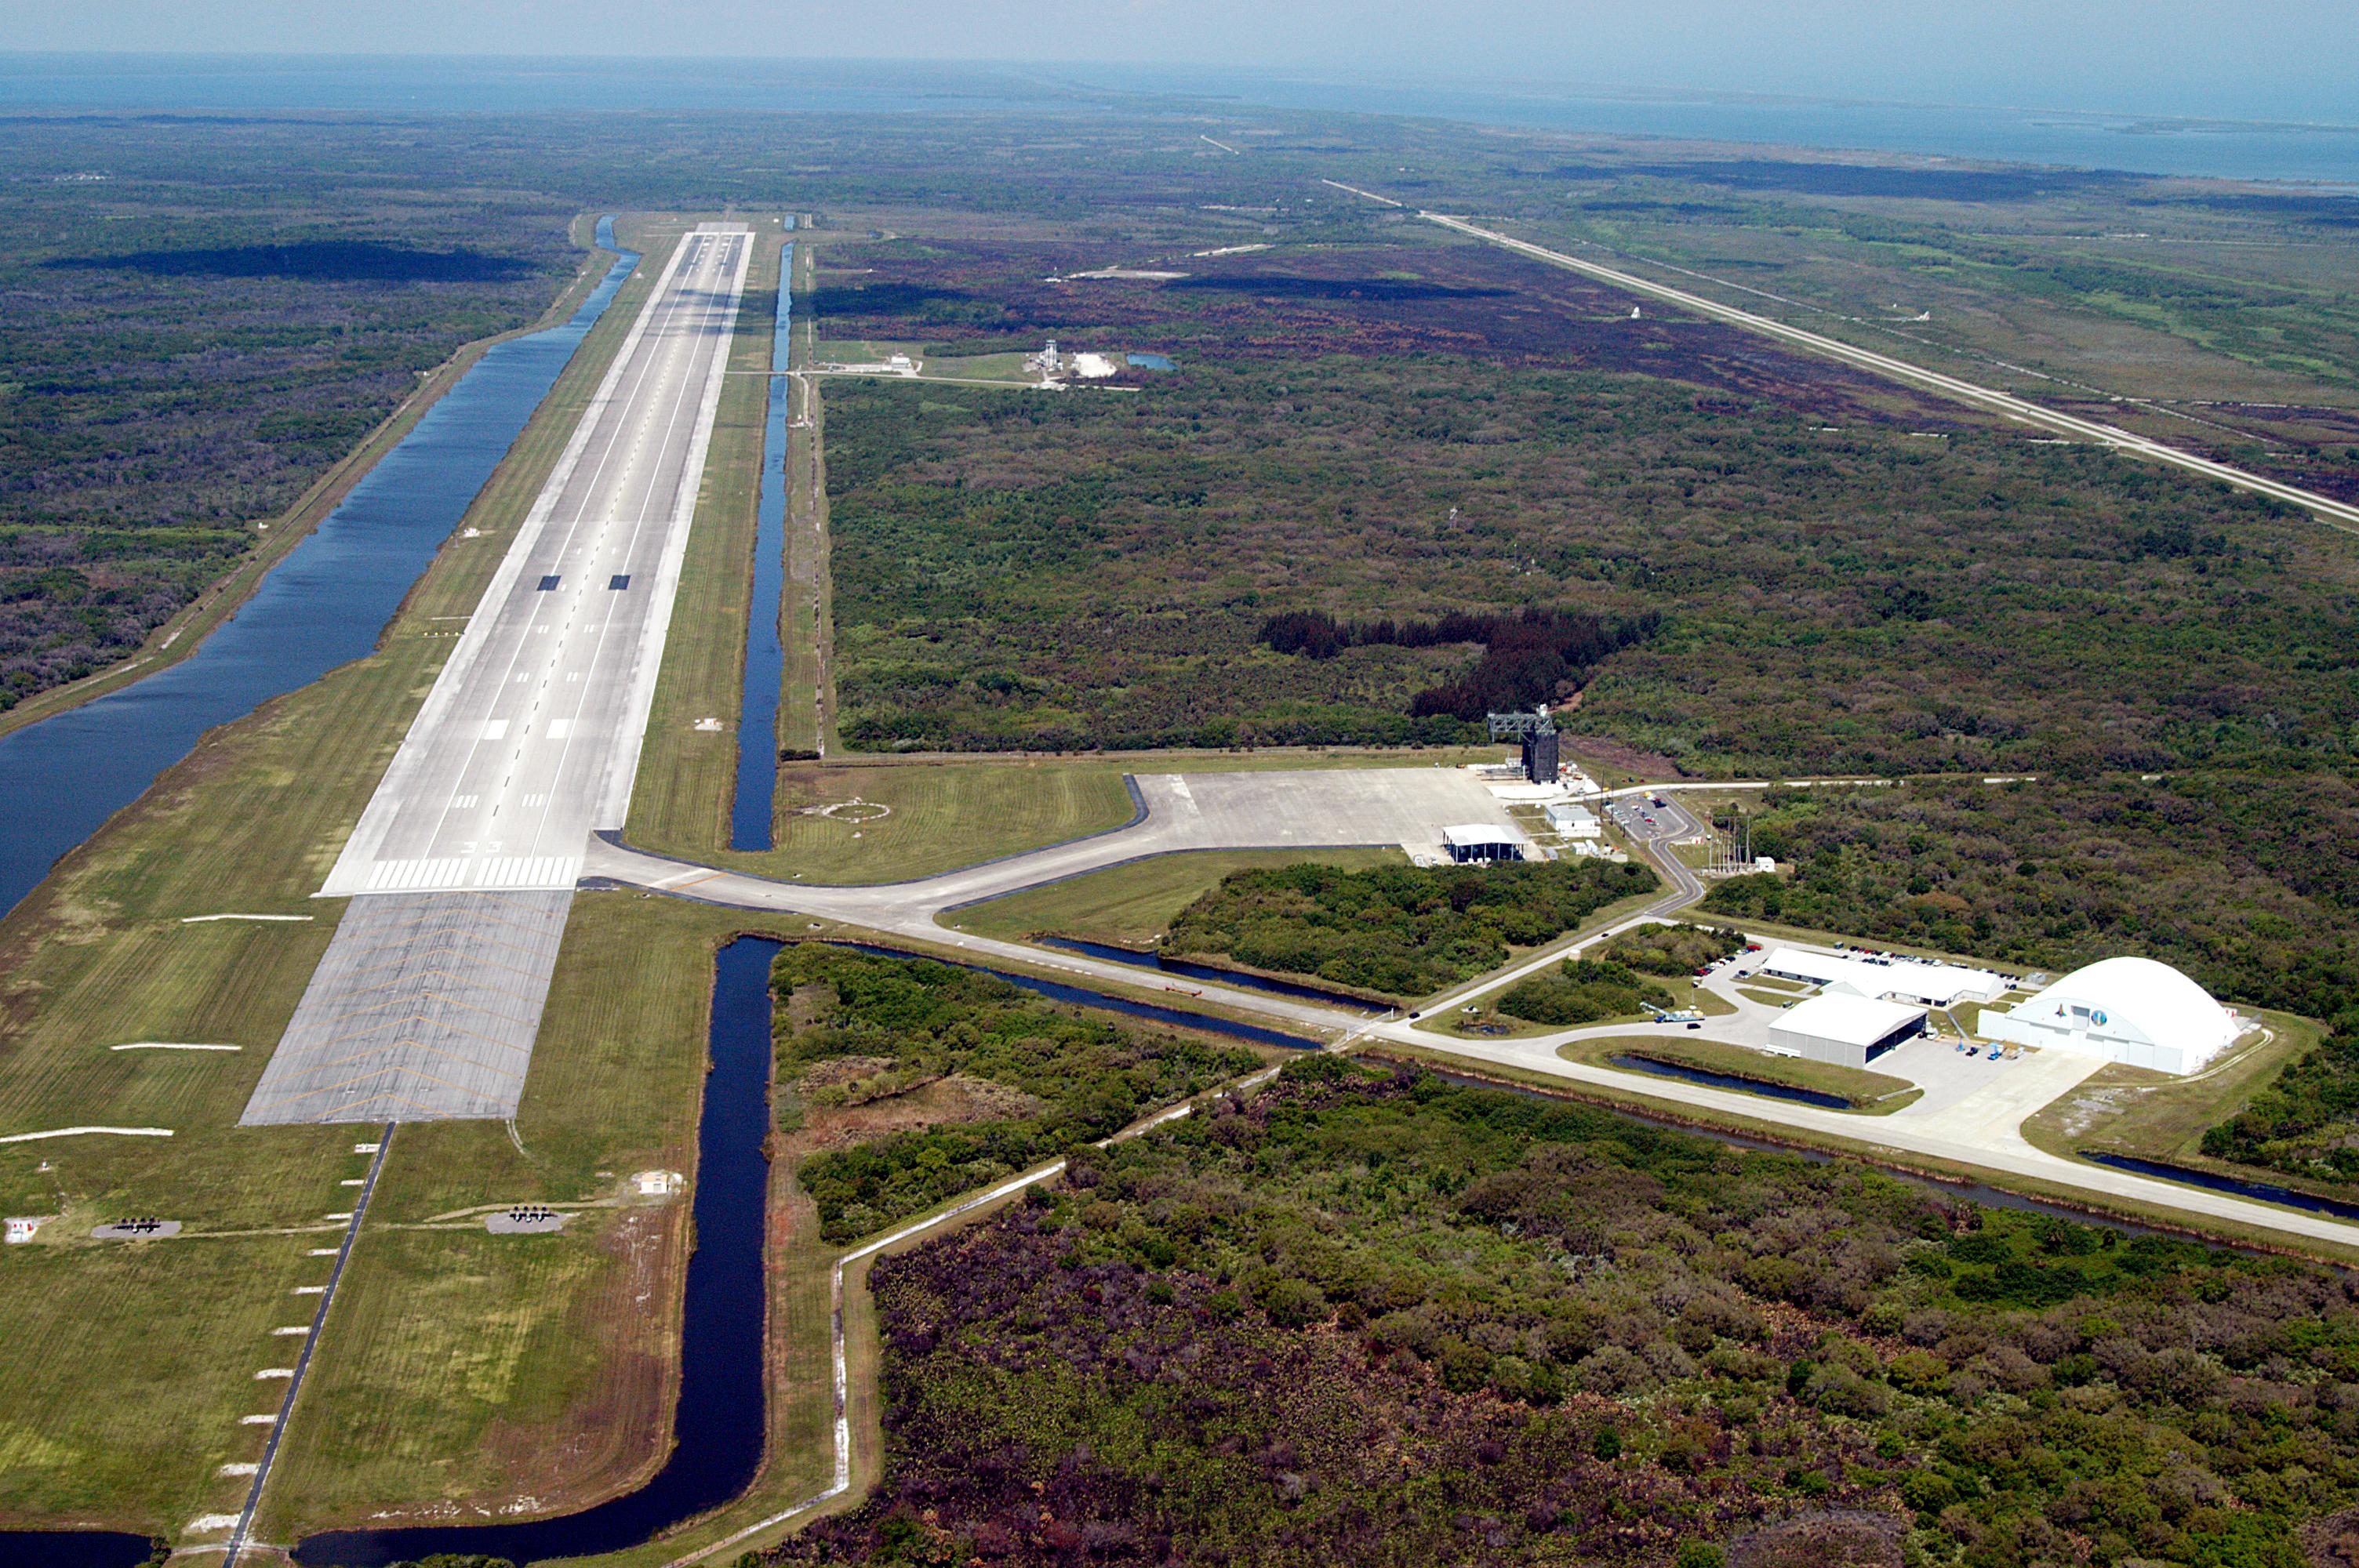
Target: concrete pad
x,y
136,1231
1316,806
2006,1093
423,1008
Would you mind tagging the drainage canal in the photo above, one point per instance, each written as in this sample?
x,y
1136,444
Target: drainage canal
x,y
718,1429
1215,973
321,607
765,654
1056,990
2236,1187
1661,1068
73,1548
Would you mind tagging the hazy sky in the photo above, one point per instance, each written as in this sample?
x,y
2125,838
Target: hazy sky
x,y
2289,58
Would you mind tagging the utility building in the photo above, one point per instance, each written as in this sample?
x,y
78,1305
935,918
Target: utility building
x,y
1472,841
1572,820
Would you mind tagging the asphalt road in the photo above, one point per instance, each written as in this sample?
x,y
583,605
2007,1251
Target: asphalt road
x,y
530,738
1980,1132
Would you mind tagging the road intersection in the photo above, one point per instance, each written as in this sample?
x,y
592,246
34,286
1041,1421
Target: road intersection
x,y
1978,1131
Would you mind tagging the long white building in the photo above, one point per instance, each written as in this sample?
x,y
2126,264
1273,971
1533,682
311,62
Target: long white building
x,y
1920,981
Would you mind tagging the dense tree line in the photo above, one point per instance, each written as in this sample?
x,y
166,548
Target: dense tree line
x,y
2305,1122
1584,990
1620,980
1672,948
910,1022
1400,931
2248,883
1368,1317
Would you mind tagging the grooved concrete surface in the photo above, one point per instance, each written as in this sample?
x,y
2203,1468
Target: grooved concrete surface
x,y
427,1002
530,738
423,1009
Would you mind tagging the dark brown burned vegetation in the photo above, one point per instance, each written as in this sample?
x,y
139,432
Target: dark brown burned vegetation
x,y
1412,295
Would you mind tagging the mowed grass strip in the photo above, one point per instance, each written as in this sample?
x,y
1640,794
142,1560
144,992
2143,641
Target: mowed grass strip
x,y
1133,904
98,956
2162,1116
895,821
686,775
127,1368
1878,1093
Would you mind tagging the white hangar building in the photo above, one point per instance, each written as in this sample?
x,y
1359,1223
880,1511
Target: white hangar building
x,y
2132,1011
1848,1030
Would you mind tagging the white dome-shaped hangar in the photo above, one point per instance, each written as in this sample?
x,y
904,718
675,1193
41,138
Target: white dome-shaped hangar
x,y
2132,1011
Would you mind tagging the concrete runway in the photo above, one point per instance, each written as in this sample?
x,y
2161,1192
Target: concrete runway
x,y
463,865
530,738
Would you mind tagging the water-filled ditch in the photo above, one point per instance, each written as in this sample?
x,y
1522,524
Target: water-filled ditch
x,y
1217,973
322,606
1661,1068
718,1430
765,652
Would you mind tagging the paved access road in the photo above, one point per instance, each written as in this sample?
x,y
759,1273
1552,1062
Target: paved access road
x,y
1976,1130
530,738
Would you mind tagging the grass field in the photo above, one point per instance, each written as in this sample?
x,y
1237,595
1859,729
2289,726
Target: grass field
x,y
98,956
936,816
1878,1094
806,704
1133,904
2131,1110
473,1369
